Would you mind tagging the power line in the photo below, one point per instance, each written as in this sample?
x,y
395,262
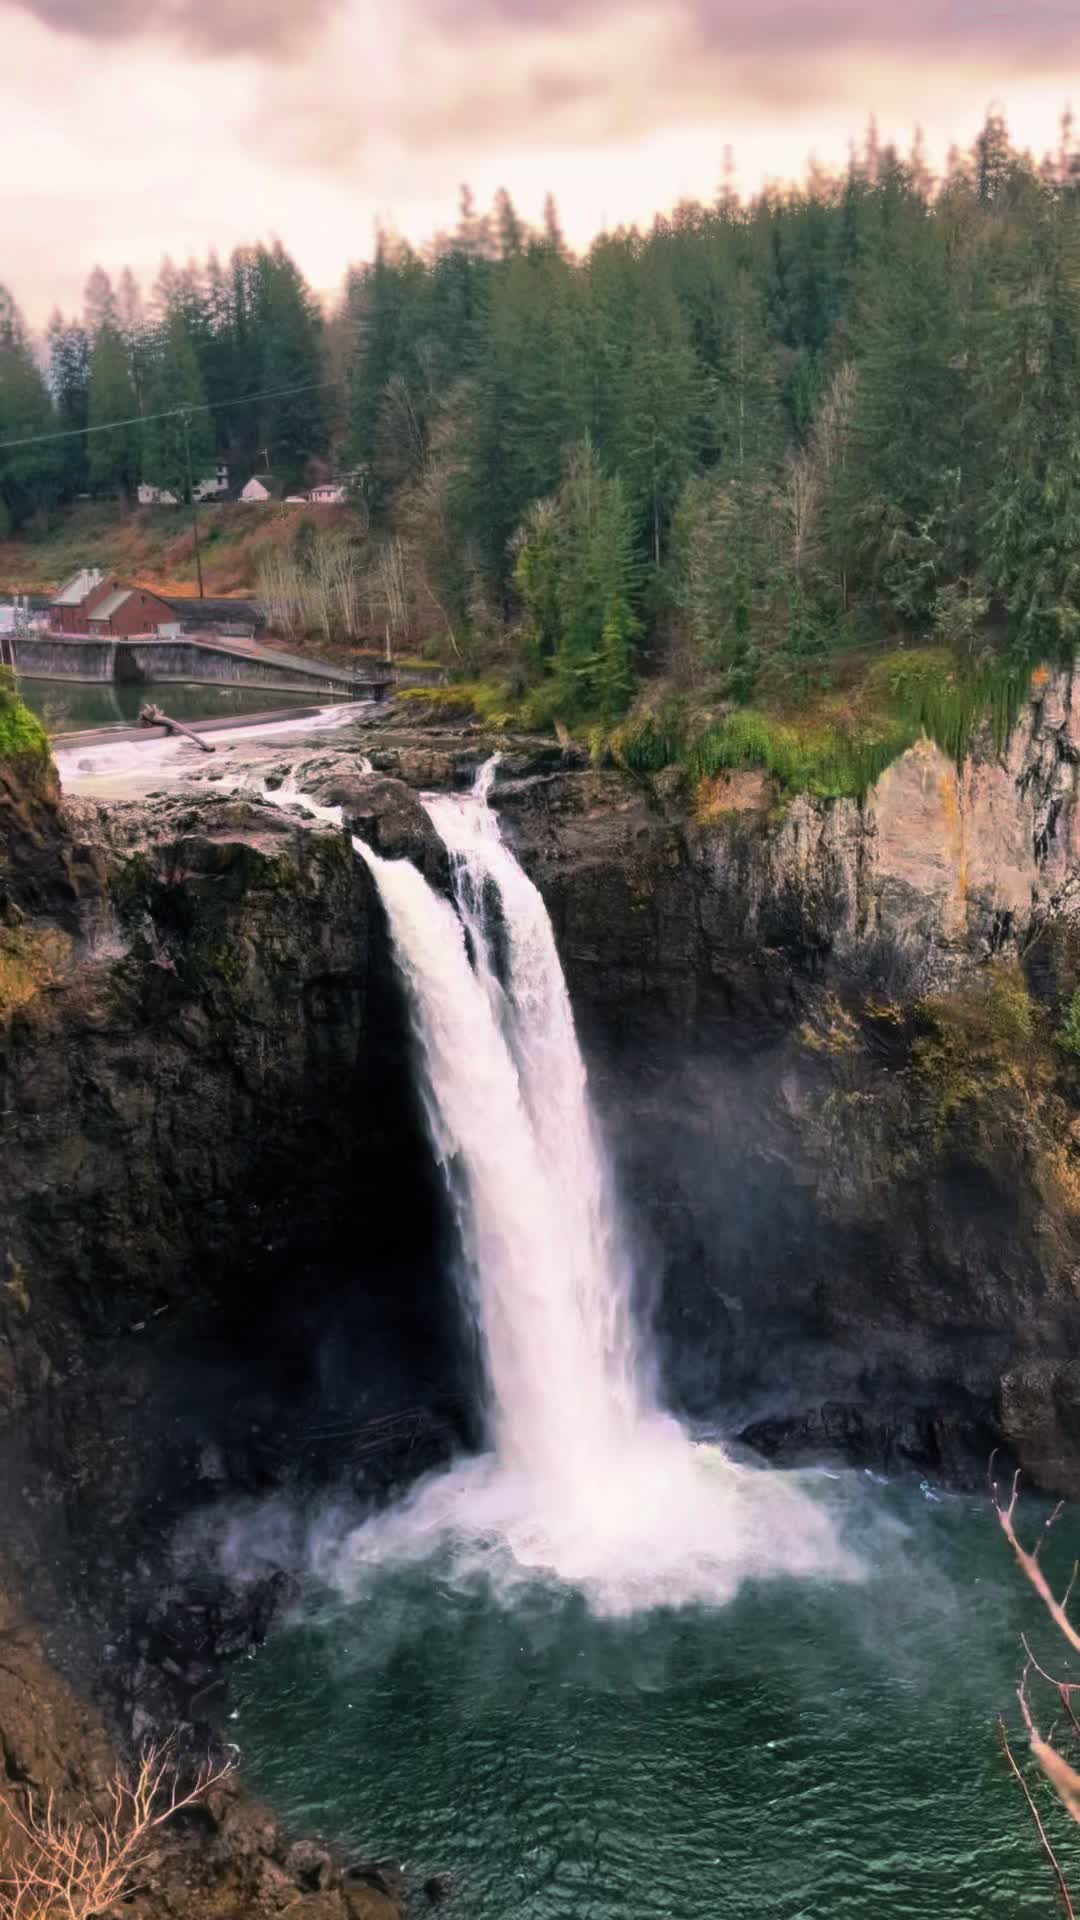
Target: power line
x,y
169,413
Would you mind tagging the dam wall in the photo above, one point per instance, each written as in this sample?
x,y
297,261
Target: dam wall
x,y
161,662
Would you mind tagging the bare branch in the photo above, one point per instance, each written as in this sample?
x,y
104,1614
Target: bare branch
x,y
1063,1885
1029,1564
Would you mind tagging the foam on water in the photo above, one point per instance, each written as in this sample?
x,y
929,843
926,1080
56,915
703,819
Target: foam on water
x,y
126,767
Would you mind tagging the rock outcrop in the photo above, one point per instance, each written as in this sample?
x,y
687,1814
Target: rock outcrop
x,y
821,1036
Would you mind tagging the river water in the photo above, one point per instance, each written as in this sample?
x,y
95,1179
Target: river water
x,y
68,706
810,1751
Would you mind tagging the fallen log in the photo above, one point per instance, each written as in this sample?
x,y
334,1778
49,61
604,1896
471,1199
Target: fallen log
x,y
153,717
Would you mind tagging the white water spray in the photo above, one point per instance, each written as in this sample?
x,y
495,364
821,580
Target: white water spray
x,y
588,1482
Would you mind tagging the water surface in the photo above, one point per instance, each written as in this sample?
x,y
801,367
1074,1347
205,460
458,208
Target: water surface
x,y
69,706
809,1750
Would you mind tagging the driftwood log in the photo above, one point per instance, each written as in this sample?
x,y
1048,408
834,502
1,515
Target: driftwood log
x,y
153,717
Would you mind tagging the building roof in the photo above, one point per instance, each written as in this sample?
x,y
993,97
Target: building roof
x,y
113,604
79,587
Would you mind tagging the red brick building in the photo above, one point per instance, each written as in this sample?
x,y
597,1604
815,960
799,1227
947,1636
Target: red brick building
x,y
129,613
73,604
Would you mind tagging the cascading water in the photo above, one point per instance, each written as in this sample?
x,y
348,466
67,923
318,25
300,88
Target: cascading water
x,y
588,1481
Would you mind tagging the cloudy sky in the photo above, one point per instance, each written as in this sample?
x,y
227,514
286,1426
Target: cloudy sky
x,y
132,128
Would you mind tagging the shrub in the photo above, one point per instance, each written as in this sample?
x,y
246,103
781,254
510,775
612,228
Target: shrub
x,y
976,1042
830,759
22,736
1068,1030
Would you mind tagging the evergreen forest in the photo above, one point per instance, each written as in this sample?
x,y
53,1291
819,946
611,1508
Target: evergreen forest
x,y
772,482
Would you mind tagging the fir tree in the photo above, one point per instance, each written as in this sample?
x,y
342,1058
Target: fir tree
x,y
113,439
176,383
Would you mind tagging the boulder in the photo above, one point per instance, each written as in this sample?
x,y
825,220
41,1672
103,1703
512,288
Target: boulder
x,y
310,1866
389,818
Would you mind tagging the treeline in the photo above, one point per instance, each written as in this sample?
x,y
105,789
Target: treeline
x,y
729,445
210,337
748,437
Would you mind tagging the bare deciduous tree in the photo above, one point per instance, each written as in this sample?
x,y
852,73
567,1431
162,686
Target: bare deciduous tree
x,y
61,1869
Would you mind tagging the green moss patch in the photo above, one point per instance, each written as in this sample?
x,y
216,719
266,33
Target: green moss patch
x,y
978,1042
22,736
30,960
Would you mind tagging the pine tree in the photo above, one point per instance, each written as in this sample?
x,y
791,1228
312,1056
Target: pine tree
x,y
577,577
30,477
1032,521
69,378
288,328
660,417
900,506
112,406
176,382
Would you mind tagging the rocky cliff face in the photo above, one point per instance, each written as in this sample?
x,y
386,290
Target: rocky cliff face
x,y
222,1265
822,1040
821,1037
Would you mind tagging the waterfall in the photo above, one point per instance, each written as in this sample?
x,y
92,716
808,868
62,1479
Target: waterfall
x,y
508,1111
588,1481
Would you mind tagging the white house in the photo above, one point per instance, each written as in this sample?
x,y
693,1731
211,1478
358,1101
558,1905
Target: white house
x,y
156,496
331,495
213,485
258,490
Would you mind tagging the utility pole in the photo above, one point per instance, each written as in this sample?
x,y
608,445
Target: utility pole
x,y
194,504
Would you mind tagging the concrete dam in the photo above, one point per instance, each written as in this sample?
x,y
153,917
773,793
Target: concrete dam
x,y
48,656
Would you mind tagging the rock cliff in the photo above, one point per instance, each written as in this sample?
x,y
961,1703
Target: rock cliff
x,y
822,1037
826,1041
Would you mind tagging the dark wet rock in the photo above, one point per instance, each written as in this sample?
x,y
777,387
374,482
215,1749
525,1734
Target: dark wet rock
x,y
44,871
389,818
310,1866
438,1888
385,1876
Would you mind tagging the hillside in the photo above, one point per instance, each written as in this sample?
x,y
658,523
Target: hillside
x,y
154,547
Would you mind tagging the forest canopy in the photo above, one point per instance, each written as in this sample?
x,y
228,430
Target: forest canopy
x,y
726,448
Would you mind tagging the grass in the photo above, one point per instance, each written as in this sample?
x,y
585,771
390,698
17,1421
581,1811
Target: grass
x,y
484,700
838,741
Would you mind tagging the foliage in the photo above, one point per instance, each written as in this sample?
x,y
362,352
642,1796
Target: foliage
x,y
829,759
975,1042
928,688
22,736
1068,1029
733,449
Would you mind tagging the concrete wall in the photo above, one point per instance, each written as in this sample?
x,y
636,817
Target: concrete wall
x,y
159,662
45,657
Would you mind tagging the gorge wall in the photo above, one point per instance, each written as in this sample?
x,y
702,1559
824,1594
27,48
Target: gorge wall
x,y
821,1035
824,1039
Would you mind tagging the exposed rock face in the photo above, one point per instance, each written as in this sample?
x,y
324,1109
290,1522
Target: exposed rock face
x,y
222,1260
389,818
820,1038
41,870
839,1255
